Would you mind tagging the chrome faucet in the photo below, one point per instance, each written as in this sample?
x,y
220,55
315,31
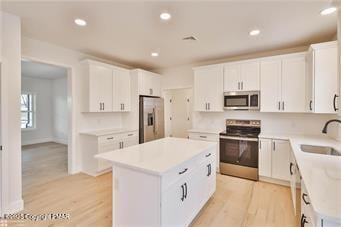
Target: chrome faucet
x,y
324,130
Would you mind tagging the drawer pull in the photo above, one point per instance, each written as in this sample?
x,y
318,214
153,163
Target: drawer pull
x,y
208,155
209,171
205,137
130,134
303,198
184,171
110,138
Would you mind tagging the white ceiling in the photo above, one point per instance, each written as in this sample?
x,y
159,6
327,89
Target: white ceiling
x,y
40,70
127,32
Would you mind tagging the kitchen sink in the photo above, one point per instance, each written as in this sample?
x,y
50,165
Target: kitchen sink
x,y
320,150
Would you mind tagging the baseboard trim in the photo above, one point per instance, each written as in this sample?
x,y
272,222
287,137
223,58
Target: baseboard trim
x,y
14,207
36,141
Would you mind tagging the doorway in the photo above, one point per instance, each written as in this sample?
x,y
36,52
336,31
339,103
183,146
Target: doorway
x,y
178,112
44,122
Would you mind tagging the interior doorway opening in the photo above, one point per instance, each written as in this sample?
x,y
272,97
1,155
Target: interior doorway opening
x,y
44,122
178,112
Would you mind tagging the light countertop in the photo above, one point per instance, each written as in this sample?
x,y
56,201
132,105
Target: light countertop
x,y
209,131
321,173
104,132
158,156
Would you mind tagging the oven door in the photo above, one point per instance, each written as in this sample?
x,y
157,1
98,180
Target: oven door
x,y
236,102
239,151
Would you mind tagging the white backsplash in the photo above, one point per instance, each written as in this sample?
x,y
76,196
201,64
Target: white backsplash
x,y
295,123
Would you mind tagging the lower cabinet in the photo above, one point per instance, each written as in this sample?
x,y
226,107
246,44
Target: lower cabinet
x,y
92,145
171,199
274,158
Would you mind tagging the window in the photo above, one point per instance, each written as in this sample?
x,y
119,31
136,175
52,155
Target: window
x,y
27,111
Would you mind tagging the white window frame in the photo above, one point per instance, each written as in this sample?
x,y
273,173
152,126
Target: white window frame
x,y
34,112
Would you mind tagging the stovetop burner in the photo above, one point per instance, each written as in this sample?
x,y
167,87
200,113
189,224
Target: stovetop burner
x,y
242,128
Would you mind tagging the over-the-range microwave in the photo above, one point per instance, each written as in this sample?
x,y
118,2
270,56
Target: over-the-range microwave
x,y
241,100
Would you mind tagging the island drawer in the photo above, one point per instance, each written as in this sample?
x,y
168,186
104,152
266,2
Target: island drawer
x,y
203,136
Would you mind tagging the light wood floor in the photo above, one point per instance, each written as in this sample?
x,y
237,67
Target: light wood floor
x,y
236,202
42,163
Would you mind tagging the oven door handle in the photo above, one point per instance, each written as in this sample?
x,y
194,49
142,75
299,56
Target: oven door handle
x,y
239,138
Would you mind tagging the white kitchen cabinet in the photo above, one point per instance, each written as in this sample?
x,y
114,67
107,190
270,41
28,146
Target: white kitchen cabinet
x,y
122,95
208,88
323,86
212,137
274,159
93,143
107,88
283,81
242,76
280,156
264,164
149,83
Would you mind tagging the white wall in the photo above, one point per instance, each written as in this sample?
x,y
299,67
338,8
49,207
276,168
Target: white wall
x,y
60,110
51,122
10,113
42,88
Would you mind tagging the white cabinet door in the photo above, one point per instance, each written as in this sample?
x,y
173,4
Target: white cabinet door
x,y
270,85
264,164
122,95
250,76
232,79
280,159
325,79
156,85
130,141
293,84
101,88
106,146
208,88
174,205
149,84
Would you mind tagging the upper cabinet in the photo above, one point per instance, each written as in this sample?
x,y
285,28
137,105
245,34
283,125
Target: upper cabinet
x,y
149,83
242,76
283,80
322,85
208,88
107,88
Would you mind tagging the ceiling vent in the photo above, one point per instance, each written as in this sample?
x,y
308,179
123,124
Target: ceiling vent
x,y
190,38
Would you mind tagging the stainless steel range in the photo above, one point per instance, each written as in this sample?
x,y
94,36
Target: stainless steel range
x,y
239,148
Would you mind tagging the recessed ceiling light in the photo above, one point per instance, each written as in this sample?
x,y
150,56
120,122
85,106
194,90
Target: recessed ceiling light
x,y
254,32
165,16
154,54
328,10
80,22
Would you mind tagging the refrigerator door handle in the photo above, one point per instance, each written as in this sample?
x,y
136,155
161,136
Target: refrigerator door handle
x,y
154,115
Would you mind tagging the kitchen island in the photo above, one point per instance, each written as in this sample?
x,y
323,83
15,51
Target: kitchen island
x,y
161,183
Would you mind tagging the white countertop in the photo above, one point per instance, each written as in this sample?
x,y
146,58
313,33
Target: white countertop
x,y
321,173
103,132
158,156
209,131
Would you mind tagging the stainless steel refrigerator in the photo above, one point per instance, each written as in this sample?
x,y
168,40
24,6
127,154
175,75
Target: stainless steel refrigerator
x,y
151,119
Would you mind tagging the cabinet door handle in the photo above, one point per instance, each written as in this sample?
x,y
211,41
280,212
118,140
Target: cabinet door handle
x,y
304,199
110,138
100,106
184,171
310,105
303,220
208,170
122,144
130,134
283,105
103,106
183,192
203,137
279,105
334,102
290,168
238,85
274,145
242,85
208,155
209,106
123,106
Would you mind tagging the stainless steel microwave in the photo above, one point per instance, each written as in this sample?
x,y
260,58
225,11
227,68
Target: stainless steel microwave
x,y
241,100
